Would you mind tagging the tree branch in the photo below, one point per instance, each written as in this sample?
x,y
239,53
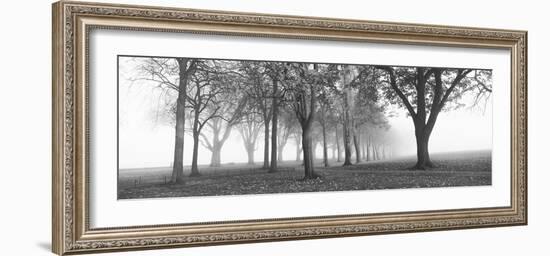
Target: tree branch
x,y
205,142
393,84
461,73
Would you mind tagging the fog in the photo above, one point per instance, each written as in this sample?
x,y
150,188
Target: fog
x,y
146,140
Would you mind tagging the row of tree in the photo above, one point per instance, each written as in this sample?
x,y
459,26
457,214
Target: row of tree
x,y
371,141
341,107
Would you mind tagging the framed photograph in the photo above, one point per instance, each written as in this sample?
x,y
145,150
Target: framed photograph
x,y
179,127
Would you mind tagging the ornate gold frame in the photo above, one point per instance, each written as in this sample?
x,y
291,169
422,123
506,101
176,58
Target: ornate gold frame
x,y
73,20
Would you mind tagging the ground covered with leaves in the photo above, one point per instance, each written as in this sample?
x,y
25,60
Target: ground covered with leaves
x,y
452,169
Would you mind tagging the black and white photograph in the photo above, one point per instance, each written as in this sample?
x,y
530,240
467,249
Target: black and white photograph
x,y
215,127
275,127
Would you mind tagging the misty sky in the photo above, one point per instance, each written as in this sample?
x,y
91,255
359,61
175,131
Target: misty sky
x,y
145,141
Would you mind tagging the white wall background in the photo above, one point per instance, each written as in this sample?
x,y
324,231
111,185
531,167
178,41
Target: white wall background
x,y
25,140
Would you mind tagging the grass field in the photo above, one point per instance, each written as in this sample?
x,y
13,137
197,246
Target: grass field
x,y
453,169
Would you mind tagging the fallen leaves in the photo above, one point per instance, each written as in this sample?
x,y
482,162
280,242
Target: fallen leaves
x,y
451,170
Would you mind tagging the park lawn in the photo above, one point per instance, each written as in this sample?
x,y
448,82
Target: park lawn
x,y
453,169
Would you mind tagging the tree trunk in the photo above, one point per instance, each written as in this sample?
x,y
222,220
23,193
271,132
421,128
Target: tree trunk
x,y
313,150
347,145
250,154
280,153
177,168
325,149
421,130
369,147
309,169
364,149
196,134
215,160
217,142
298,149
347,121
273,166
422,134
194,163
357,148
266,145
274,124
306,117
338,148
249,133
216,147
367,153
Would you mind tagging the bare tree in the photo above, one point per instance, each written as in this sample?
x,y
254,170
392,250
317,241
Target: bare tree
x,y
249,128
171,74
201,99
262,97
230,102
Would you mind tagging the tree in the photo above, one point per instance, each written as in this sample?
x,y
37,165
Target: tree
x,y
201,99
172,75
261,95
304,85
358,95
333,121
367,109
326,114
249,128
297,135
346,110
324,132
230,102
304,96
287,123
275,71
337,143
349,76
425,92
